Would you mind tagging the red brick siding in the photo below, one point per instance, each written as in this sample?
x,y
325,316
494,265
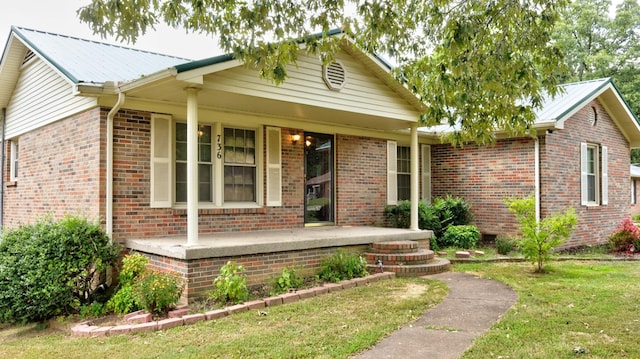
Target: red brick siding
x,y
484,177
260,268
59,171
560,171
361,183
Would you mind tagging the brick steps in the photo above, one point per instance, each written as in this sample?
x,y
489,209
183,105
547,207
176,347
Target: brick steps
x,y
420,256
405,259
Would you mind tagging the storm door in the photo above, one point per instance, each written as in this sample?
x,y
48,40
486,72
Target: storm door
x,y
319,179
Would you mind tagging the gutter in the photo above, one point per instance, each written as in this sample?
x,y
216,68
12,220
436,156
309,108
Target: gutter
x,y
536,160
109,199
4,117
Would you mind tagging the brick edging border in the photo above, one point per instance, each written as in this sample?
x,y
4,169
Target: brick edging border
x,y
180,316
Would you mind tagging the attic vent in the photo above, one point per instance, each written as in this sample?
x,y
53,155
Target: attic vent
x,y
29,55
334,76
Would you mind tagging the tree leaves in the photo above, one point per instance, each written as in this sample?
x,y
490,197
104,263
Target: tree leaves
x,y
482,65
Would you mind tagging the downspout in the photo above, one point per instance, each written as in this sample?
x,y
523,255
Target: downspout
x,y
109,190
4,117
537,177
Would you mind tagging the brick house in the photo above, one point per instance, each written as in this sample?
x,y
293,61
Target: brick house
x,y
580,159
198,162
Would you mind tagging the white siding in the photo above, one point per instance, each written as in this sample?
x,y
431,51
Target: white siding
x,y
363,92
41,96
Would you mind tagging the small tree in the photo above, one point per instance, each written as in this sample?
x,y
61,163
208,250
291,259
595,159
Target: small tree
x,y
540,238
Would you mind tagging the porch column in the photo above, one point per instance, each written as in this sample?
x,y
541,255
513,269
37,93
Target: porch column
x,y
415,191
192,166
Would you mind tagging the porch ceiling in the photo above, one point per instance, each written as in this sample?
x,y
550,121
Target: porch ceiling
x,y
219,245
173,92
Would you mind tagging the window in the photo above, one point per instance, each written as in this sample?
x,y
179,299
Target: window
x,y
594,176
13,170
205,164
239,165
404,173
634,199
399,173
230,161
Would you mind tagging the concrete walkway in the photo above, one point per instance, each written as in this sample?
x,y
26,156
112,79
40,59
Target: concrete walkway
x,y
447,330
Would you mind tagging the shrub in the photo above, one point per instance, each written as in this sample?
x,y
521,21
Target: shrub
x,y
504,245
461,236
123,302
231,284
540,238
627,234
436,216
50,267
342,266
289,279
636,217
157,292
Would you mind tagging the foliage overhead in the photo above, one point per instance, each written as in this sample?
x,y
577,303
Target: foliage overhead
x,y
484,63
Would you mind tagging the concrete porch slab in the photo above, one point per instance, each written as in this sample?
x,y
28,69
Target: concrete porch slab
x,y
230,244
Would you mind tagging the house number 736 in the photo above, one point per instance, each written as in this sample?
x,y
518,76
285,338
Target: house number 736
x,y
218,147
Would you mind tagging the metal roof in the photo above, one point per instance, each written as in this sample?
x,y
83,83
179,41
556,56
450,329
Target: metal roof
x,y
89,61
570,97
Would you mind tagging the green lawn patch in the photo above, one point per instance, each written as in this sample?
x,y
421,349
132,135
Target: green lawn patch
x,y
577,308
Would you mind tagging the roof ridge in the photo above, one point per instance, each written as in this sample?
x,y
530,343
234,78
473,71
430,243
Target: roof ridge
x,y
602,79
20,29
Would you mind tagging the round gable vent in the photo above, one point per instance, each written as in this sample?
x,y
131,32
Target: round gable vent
x,y
334,76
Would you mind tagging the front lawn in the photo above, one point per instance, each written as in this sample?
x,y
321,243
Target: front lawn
x,y
577,309
335,325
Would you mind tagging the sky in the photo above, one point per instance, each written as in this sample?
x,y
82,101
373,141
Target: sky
x,y
59,16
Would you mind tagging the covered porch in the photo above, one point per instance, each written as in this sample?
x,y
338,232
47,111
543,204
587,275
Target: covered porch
x,y
262,253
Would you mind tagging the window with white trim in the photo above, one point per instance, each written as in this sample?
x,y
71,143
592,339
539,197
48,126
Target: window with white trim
x,y
594,176
634,198
404,173
13,169
229,165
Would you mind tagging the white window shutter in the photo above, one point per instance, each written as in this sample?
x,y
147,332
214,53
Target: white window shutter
x,y
426,173
584,188
392,172
274,167
161,145
605,176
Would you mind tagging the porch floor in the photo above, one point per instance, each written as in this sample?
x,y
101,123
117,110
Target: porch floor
x,y
227,244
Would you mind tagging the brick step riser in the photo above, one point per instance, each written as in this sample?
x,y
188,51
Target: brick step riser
x,y
395,245
392,251
411,257
413,271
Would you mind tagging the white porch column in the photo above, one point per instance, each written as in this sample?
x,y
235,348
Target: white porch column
x,y
192,166
415,191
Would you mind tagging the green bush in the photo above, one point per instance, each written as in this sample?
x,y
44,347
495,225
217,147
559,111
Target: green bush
x,y
157,292
539,238
504,245
343,266
636,217
123,301
49,268
437,216
289,279
461,236
231,284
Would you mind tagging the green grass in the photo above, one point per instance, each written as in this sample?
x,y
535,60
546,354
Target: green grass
x,y
575,304
335,325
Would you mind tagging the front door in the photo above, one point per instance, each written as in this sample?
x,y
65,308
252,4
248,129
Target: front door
x,y
318,170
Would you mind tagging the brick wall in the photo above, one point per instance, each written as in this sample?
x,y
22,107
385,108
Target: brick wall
x,y
361,183
484,177
560,172
59,171
260,268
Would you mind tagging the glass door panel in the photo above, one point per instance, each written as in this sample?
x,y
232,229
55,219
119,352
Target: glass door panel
x,y
318,168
